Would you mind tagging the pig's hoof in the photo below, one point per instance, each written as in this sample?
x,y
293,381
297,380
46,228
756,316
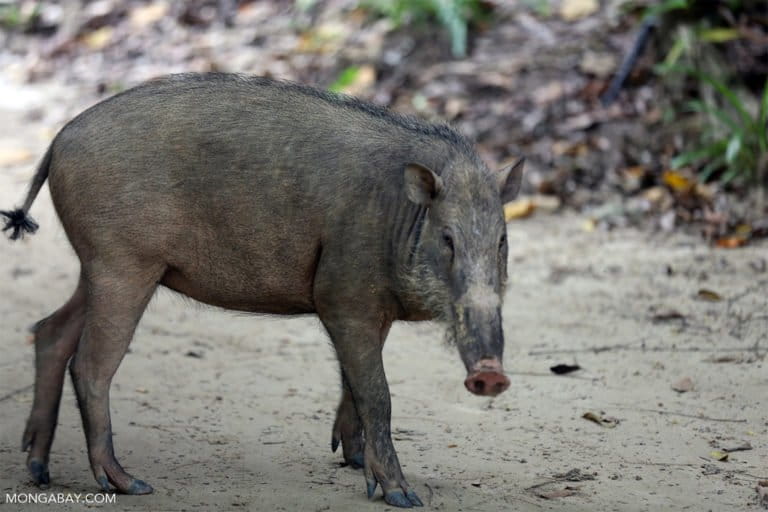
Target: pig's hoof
x,y
355,461
370,487
414,499
398,498
139,487
39,472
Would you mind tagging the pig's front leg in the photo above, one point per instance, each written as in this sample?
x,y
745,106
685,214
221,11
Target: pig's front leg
x,y
358,345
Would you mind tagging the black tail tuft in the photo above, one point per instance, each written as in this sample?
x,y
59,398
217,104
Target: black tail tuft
x,y
19,223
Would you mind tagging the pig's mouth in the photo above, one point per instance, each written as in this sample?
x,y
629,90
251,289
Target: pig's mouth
x,y
486,378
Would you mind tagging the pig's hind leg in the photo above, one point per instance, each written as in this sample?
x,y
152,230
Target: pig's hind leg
x,y
118,292
348,429
55,339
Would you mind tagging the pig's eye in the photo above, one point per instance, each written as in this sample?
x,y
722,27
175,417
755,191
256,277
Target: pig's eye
x,y
448,241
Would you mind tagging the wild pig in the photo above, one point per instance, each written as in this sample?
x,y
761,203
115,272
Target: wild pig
x,y
271,197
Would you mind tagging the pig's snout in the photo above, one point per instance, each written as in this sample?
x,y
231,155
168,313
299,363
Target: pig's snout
x,y
487,378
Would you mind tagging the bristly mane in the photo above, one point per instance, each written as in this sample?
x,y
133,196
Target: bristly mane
x,y
411,123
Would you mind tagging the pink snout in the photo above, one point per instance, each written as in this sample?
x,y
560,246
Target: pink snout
x,y
487,378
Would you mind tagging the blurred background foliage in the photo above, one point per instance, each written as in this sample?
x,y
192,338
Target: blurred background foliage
x,y
638,112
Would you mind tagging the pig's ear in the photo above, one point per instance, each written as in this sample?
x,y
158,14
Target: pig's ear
x,y
421,184
509,179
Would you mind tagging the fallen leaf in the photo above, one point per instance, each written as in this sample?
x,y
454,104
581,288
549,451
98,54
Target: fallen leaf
x,y
708,295
145,15
589,225
600,420
683,385
99,38
195,354
731,242
562,369
718,455
546,203
677,181
142,390
518,209
572,10
725,359
452,445
667,316
14,156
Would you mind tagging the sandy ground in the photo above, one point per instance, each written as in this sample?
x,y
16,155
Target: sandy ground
x,y
246,425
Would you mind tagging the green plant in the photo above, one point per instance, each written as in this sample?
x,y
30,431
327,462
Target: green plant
x,y
454,15
735,140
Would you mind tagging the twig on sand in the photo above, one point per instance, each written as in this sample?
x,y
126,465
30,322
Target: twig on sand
x,y
685,415
636,348
14,393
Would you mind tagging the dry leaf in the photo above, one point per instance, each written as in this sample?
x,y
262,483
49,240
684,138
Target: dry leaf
x,y
731,242
718,455
518,209
708,295
677,181
667,316
143,391
145,15
683,385
98,39
589,225
562,369
600,420
572,10
14,156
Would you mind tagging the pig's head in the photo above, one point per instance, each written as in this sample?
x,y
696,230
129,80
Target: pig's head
x,y
460,260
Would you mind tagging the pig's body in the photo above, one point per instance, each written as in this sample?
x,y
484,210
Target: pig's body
x,y
267,197
243,209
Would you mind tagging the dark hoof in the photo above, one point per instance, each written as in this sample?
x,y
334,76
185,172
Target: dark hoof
x,y
39,473
104,483
397,498
355,461
139,487
414,499
334,444
371,489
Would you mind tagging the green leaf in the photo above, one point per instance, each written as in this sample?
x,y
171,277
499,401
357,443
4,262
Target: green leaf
x,y
720,87
666,6
732,151
730,174
719,35
720,114
689,157
707,171
345,79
